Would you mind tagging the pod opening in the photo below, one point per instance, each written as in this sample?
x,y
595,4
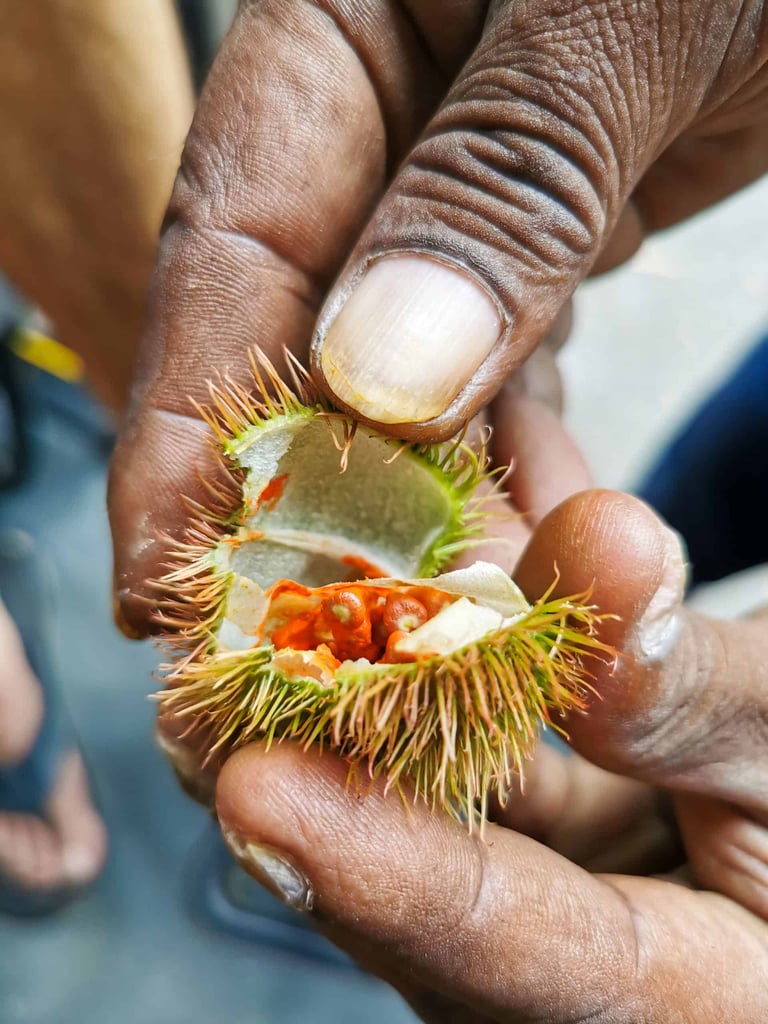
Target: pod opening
x,y
350,622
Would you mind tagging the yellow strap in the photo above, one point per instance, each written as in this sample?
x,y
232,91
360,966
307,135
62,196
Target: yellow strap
x,y
47,354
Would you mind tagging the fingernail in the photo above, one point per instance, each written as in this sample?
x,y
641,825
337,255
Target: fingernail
x,y
408,338
120,621
272,869
659,625
195,782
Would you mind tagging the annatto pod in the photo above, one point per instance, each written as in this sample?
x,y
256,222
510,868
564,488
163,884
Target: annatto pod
x,y
315,611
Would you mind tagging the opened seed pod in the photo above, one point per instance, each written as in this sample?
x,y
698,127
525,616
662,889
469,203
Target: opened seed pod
x,y
317,611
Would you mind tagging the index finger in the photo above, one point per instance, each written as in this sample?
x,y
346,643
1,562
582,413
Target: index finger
x,y
685,703
411,893
503,926
286,155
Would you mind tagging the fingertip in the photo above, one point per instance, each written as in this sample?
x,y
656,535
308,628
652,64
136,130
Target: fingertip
x,y
271,793
240,790
604,541
617,550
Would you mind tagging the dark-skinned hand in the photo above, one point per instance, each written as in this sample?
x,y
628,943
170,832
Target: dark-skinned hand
x,y
422,184
559,914
423,187
627,885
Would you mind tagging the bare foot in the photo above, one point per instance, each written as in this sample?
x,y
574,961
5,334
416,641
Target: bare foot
x,y
67,844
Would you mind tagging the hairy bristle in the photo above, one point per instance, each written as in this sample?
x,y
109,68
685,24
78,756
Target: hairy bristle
x,y
457,728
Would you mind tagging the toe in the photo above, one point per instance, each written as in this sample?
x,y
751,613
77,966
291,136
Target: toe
x,y
77,824
30,851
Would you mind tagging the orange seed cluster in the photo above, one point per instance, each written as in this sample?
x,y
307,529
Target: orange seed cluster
x,y
351,621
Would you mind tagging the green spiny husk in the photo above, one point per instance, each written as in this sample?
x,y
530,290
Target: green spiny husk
x,y
456,728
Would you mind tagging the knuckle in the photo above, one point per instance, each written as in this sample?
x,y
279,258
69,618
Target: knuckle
x,y
200,190
516,193
668,714
701,722
521,162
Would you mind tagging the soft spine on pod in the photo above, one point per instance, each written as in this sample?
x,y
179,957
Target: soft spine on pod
x,y
457,727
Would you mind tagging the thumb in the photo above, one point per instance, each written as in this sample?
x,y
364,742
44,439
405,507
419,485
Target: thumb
x,y
411,895
499,211
468,929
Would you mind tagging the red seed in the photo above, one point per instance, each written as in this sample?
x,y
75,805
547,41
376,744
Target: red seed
x,y
298,634
351,646
403,613
391,655
347,608
433,600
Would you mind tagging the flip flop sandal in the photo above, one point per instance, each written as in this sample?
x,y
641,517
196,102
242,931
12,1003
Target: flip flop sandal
x,y
26,591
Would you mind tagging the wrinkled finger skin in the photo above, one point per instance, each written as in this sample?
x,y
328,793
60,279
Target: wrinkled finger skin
x,y
684,706
535,141
522,175
502,928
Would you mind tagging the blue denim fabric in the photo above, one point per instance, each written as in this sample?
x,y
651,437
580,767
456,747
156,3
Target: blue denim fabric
x,y
711,483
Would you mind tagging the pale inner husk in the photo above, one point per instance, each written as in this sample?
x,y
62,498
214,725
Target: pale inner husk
x,y
321,526
382,523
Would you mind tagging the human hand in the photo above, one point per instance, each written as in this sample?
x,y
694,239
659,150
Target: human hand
x,y
511,929
552,137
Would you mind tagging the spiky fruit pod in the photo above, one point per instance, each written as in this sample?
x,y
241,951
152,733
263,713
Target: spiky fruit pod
x,y
315,612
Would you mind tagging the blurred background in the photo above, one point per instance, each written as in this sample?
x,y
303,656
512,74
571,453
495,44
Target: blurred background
x,y
151,941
